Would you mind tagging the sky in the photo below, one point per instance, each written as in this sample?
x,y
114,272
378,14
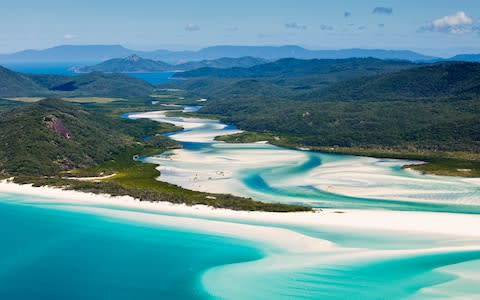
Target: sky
x,y
436,27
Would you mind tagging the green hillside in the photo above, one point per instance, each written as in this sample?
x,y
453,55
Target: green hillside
x,y
95,84
133,63
304,74
47,141
52,135
222,63
13,84
434,82
419,112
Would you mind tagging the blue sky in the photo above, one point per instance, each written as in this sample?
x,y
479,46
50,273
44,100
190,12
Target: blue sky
x,y
438,27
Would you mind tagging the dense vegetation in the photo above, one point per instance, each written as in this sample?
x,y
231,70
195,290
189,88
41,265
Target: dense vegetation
x,y
451,126
420,111
135,63
17,84
52,135
51,142
298,75
13,84
441,81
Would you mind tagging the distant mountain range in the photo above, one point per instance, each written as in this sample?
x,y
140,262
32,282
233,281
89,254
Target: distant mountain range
x,y
135,63
99,53
291,67
466,57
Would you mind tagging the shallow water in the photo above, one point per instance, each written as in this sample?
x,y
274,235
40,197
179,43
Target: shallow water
x,y
275,174
52,253
54,249
270,173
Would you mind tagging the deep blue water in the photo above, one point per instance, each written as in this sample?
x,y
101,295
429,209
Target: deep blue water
x,y
54,254
47,68
64,69
154,78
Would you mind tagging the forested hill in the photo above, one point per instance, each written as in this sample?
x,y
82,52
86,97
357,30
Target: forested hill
x,y
135,63
14,84
294,74
43,141
291,67
17,84
433,82
222,63
95,84
51,135
341,80
421,108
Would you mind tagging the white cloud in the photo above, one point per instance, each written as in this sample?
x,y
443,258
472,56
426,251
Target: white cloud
x,y
458,23
192,27
69,36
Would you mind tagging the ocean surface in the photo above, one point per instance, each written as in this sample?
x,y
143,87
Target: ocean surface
x,y
65,69
63,250
54,249
52,253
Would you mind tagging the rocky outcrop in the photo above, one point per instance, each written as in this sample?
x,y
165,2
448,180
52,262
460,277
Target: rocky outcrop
x,y
57,126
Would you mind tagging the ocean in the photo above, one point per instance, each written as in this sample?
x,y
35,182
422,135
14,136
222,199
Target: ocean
x,y
50,253
65,69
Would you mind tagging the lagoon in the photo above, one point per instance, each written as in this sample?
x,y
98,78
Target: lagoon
x,y
275,174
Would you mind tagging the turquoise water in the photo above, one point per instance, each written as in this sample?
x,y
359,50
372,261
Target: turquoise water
x,y
47,253
274,174
54,249
396,278
393,266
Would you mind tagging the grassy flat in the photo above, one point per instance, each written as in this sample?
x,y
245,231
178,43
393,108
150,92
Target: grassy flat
x,y
100,100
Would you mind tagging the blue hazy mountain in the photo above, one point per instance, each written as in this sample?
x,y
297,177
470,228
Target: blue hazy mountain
x,y
68,53
135,63
272,52
99,53
466,57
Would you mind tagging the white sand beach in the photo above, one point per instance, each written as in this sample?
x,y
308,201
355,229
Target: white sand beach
x,y
461,225
287,250
293,243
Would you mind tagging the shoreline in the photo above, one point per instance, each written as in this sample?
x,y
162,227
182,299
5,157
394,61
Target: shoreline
x,y
286,249
216,174
451,224
447,163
